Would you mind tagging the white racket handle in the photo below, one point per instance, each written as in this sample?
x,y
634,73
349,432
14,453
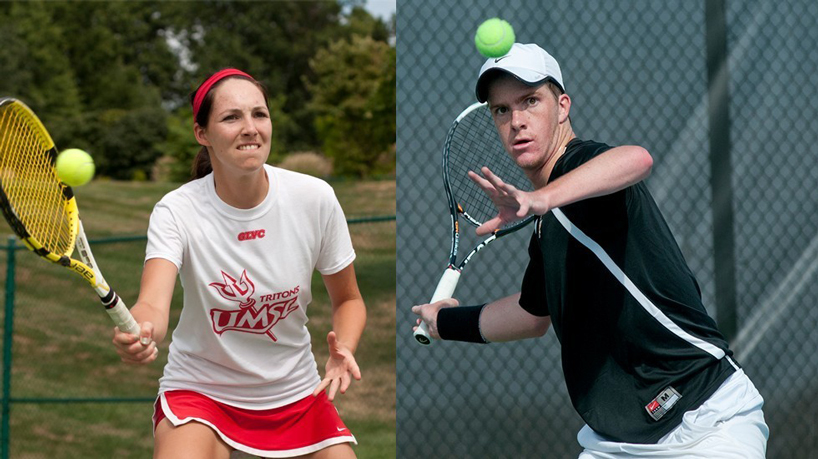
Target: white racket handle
x,y
121,316
114,306
445,289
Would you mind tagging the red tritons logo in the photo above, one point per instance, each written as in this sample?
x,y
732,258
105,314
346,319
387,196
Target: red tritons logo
x,y
248,318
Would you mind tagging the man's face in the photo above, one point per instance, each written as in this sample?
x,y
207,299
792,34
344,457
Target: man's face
x,y
527,119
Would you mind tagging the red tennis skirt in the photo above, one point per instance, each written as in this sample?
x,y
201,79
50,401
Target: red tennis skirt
x,y
302,427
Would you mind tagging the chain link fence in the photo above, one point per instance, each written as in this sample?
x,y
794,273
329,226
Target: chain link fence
x,y
69,396
637,72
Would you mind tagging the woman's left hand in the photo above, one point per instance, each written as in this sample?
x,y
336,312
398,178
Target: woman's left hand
x,y
341,368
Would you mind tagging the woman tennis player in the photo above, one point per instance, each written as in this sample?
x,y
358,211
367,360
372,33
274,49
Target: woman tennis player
x,y
245,239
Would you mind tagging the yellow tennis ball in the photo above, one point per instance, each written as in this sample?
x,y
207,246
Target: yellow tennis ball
x,y
75,167
494,38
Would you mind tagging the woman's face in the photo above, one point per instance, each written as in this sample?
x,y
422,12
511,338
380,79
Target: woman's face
x,y
238,130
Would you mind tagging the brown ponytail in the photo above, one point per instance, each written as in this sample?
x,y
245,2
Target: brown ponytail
x,y
201,164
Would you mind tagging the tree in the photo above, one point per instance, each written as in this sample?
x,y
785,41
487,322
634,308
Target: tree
x,y
273,41
119,53
360,22
36,69
78,65
354,103
180,144
131,140
89,68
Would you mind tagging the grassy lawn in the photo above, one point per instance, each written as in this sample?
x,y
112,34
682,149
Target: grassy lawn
x,y
62,337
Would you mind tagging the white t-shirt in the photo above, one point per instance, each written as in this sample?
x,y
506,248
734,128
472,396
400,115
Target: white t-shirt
x,y
246,274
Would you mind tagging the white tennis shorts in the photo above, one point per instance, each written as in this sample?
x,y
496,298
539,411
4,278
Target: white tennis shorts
x,y
729,425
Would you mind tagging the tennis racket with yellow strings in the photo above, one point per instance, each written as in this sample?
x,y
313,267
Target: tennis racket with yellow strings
x,y
41,209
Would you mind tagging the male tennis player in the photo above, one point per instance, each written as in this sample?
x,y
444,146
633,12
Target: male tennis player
x,y
644,364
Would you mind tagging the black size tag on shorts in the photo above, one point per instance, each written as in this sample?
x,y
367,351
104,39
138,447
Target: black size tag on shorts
x,y
663,403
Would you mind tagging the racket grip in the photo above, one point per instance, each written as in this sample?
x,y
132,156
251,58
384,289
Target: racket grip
x,y
121,316
445,289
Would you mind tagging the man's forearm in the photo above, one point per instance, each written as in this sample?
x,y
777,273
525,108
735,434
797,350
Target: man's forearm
x,y
506,320
614,170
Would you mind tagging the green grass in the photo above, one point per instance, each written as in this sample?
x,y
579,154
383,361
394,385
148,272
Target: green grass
x,y
62,336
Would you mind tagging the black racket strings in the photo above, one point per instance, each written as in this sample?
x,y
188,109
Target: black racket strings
x,y
474,144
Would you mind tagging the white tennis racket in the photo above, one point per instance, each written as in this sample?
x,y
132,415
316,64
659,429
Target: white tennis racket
x,y
472,142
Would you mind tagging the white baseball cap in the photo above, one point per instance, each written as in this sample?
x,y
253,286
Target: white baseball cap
x,y
529,63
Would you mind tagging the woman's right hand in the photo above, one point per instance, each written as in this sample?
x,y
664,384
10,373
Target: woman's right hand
x,y
136,350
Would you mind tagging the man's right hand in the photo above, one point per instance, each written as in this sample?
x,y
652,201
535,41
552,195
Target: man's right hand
x,y
428,314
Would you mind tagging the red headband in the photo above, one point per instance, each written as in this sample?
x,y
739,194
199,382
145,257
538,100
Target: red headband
x,y
205,87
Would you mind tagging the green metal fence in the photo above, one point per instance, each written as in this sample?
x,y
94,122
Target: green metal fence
x,y
70,398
